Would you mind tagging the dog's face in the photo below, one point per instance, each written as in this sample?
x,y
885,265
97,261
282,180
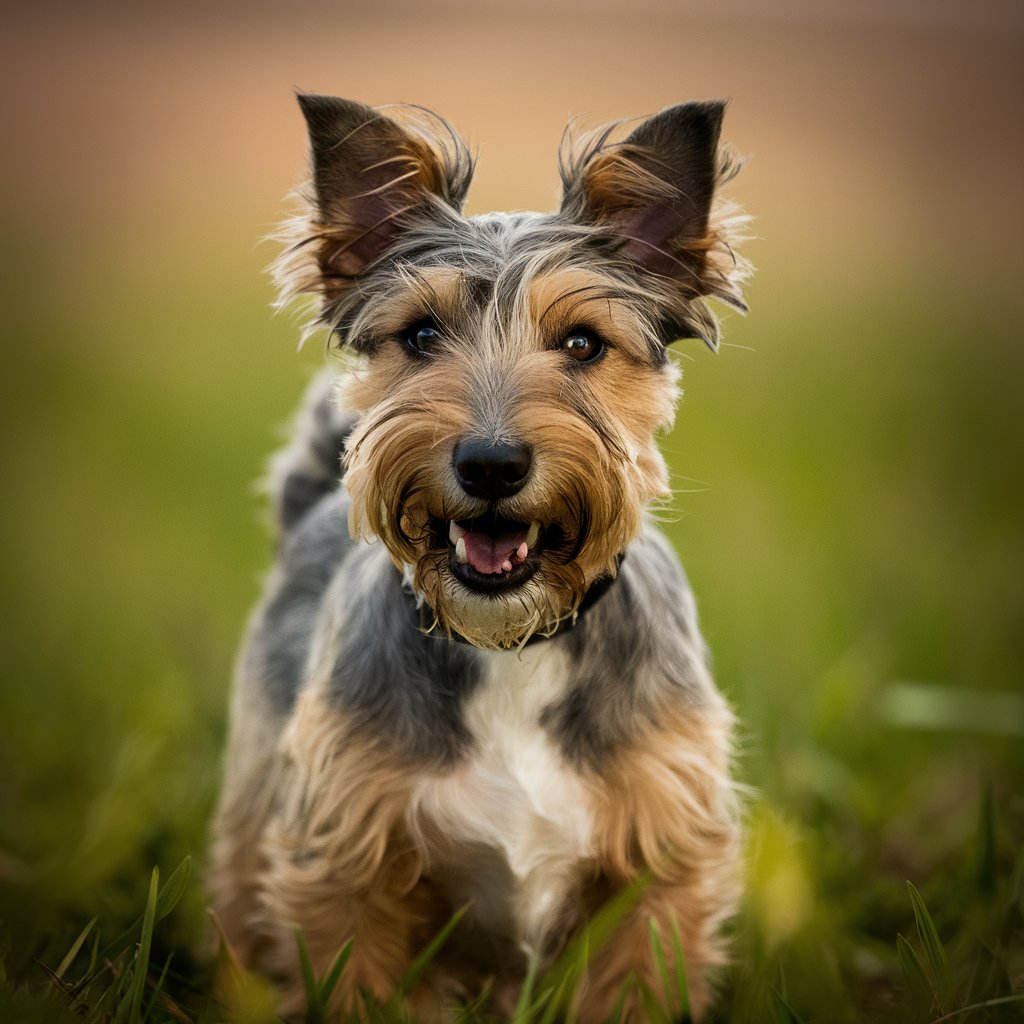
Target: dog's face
x,y
506,447
511,371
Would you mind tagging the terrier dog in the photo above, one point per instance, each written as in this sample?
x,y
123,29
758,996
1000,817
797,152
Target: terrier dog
x,y
501,697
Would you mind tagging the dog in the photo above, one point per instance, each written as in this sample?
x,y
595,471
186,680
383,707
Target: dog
x,y
475,676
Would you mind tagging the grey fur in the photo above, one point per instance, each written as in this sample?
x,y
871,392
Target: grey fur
x,y
277,652
639,644
401,684
408,686
310,466
498,251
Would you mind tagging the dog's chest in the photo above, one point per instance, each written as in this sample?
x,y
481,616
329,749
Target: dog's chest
x,y
513,823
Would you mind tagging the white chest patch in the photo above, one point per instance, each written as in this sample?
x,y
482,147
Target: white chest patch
x,y
515,821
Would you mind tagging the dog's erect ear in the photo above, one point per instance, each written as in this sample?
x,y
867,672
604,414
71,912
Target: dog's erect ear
x,y
373,176
680,148
654,191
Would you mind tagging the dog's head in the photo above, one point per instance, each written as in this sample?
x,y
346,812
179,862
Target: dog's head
x,y
510,370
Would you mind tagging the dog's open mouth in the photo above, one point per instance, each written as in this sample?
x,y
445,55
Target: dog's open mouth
x,y
491,553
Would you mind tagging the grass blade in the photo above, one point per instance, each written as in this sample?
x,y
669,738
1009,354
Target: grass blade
x,y
524,1011
935,954
985,864
330,979
922,992
158,988
69,959
94,955
574,977
314,1011
141,968
558,996
371,1008
473,1011
654,1012
620,1004
661,963
97,1011
784,1013
173,889
596,932
1001,1001
426,958
166,902
679,960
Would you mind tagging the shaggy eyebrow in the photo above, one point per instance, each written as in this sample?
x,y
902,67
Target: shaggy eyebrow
x,y
416,292
561,301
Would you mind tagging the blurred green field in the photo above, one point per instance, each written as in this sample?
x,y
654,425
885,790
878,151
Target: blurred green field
x,y
849,509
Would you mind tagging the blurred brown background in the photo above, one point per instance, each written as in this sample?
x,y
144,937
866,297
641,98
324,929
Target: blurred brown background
x,y
878,130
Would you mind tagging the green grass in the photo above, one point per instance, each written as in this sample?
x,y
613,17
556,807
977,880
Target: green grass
x,y
849,511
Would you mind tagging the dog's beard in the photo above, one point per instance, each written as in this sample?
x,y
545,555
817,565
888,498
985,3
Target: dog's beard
x,y
507,616
504,619
588,507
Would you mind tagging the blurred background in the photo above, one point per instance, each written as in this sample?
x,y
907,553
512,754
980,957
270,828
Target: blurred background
x,y
849,472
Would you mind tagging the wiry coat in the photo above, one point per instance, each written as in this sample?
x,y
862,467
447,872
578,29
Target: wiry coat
x,y
414,729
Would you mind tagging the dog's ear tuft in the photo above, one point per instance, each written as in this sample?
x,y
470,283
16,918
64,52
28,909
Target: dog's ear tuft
x,y
654,192
373,176
678,147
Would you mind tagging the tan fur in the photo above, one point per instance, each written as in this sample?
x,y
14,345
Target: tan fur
x,y
336,863
614,178
667,806
237,861
327,849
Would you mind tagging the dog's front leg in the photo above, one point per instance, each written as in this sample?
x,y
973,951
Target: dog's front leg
x,y
339,864
678,915
667,811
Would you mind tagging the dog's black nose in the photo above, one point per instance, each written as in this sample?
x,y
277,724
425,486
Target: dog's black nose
x,y
492,469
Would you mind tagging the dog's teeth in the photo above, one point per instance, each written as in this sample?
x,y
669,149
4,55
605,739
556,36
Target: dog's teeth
x,y
506,566
455,532
522,551
532,534
460,551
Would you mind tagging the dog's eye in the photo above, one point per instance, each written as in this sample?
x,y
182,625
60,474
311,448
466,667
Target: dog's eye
x,y
421,337
583,346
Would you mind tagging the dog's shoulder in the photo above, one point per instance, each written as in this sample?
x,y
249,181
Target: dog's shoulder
x,y
378,664
637,651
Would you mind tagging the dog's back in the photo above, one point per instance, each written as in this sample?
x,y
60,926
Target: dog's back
x,y
310,466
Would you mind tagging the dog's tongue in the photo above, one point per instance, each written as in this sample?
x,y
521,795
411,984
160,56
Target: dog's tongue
x,y
490,553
